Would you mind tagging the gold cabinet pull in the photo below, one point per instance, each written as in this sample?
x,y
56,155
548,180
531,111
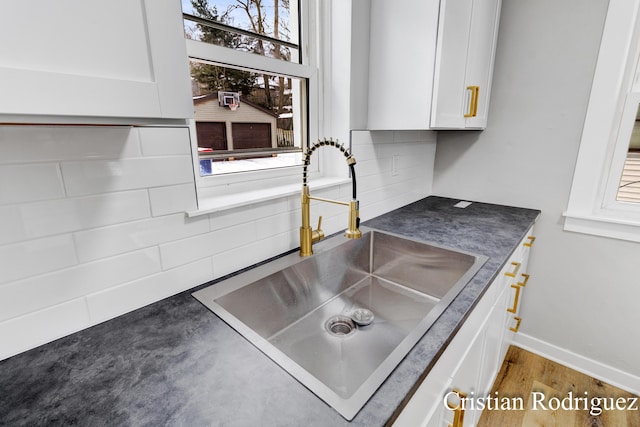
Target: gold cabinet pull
x,y
516,268
518,321
515,299
473,104
458,410
525,278
530,239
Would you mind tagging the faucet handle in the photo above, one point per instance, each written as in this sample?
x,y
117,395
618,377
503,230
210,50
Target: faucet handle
x,y
317,235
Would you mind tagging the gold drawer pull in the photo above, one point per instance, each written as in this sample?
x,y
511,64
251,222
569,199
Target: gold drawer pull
x,y
525,277
518,320
473,104
458,416
516,268
530,242
515,299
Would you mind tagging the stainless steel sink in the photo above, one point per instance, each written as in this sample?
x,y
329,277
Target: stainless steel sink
x,y
299,311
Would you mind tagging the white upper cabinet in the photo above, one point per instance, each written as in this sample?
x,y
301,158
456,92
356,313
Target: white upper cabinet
x,y
431,63
401,58
464,63
85,59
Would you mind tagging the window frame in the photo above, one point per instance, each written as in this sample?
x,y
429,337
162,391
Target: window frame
x,y
592,207
234,184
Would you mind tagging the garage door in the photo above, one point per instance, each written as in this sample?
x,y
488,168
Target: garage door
x,y
251,135
212,135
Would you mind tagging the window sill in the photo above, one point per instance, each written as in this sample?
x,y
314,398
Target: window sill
x,y
603,226
220,203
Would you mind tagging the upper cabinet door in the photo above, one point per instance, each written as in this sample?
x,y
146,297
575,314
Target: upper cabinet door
x,y
78,58
451,64
481,57
401,60
431,63
467,38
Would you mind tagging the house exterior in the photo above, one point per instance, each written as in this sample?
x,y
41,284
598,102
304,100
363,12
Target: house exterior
x,y
221,128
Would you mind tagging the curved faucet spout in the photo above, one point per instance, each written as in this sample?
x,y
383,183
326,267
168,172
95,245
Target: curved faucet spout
x,y
308,236
351,161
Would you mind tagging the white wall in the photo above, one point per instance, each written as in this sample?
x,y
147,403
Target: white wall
x,y
92,221
584,291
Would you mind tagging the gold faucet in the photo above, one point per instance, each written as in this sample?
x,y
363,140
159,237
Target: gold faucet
x,y
309,236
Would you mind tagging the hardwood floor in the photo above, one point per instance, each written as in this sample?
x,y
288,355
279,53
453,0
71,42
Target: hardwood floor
x,y
542,387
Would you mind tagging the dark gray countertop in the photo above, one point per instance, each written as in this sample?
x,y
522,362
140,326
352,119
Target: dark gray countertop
x,y
175,363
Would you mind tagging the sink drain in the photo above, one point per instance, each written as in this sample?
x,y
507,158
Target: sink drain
x,y
340,326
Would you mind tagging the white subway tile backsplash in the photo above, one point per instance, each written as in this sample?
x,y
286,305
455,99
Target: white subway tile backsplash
x,y
39,292
376,202
363,152
420,136
121,299
377,137
25,332
373,183
28,144
30,182
233,237
173,199
32,257
93,177
92,221
184,251
256,211
379,166
233,260
39,219
278,224
164,141
12,227
187,250
116,239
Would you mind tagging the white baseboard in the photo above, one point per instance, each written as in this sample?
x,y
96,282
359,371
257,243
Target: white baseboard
x,y
605,373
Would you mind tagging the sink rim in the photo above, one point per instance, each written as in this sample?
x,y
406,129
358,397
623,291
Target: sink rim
x,y
346,407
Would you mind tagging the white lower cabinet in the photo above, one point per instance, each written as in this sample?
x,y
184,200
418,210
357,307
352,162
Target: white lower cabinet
x,y
451,393
453,410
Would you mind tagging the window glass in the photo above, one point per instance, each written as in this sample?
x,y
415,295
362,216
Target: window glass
x,y
264,28
245,120
629,186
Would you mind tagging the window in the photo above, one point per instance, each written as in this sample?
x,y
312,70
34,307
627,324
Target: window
x,y
250,83
629,186
599,202
623,190
246,25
